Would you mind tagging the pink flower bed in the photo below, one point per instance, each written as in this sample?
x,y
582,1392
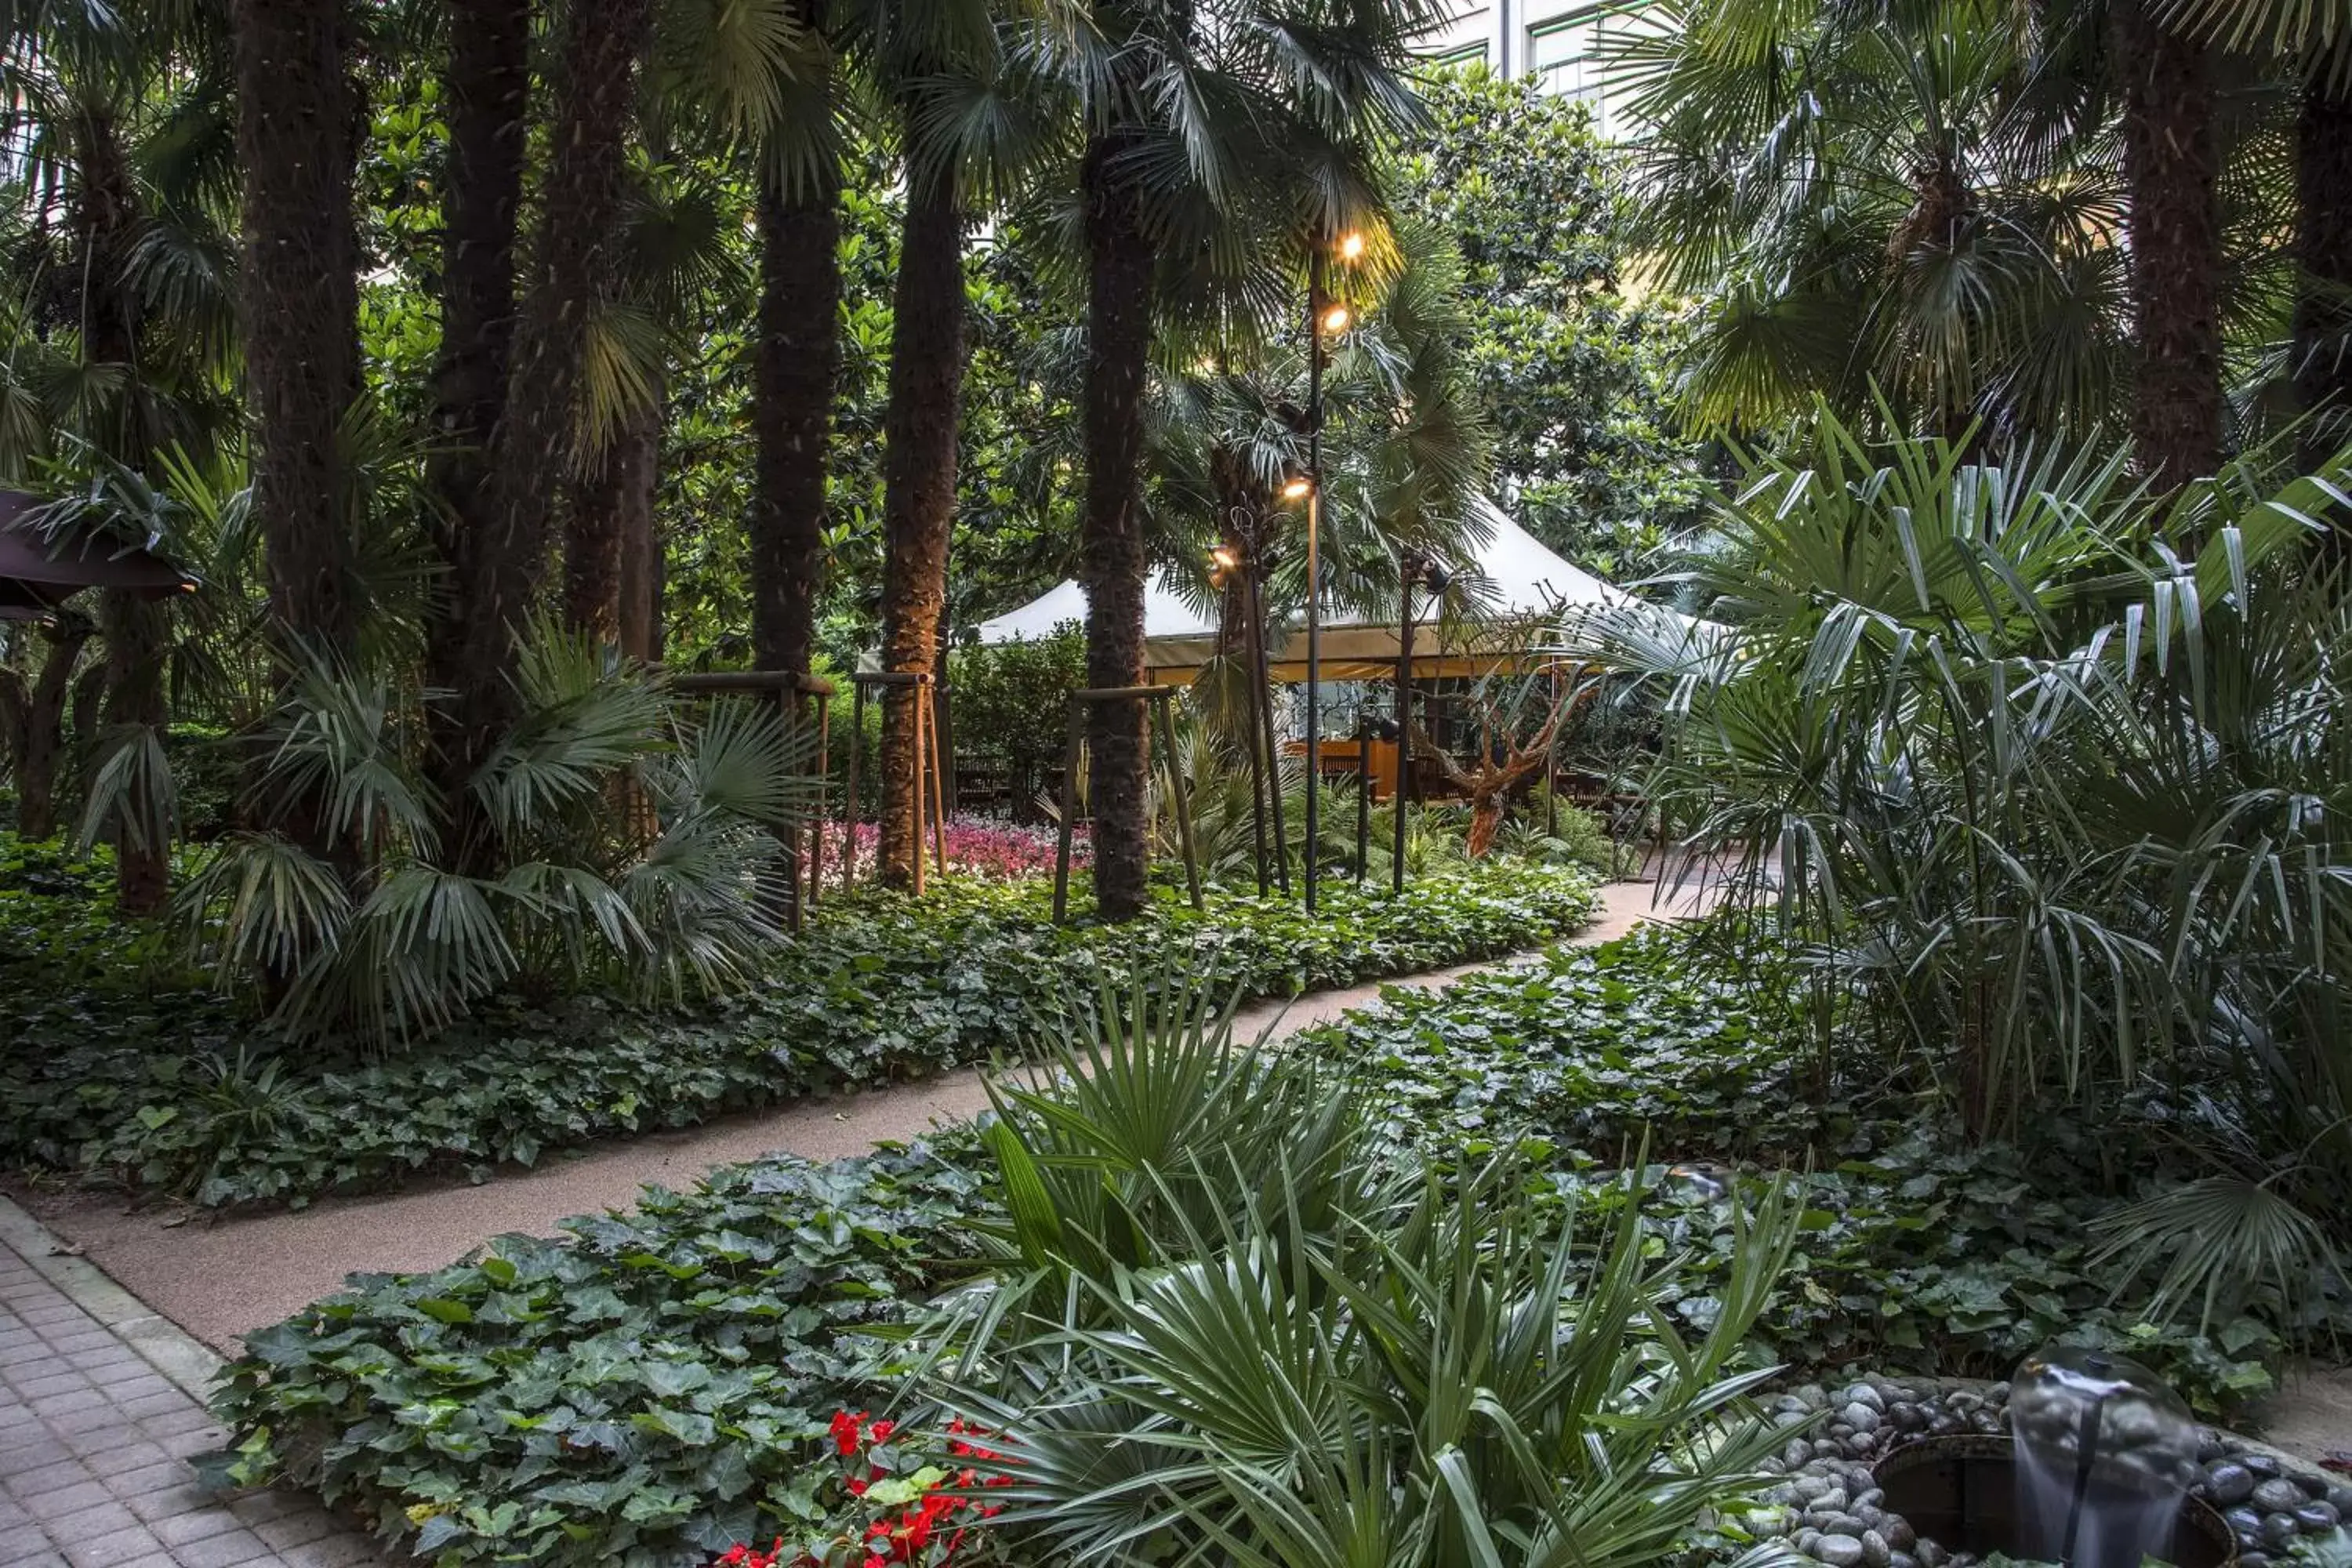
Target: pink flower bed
x,y
977,846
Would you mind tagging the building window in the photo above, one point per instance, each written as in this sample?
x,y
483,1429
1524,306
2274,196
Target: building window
x,y
1561,56
1467,54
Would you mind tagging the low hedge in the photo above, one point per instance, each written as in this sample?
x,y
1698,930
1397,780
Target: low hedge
x,y
115,1067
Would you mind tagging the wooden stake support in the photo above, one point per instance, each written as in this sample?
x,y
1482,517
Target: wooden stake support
x,y
1160,698
931,791
786,685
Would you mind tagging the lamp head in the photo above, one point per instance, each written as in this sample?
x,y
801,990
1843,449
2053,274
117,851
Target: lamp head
x,y
1337,318
1297,487
1351,246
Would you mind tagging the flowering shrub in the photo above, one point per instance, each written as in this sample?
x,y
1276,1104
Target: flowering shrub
x,y
979,845
893,1508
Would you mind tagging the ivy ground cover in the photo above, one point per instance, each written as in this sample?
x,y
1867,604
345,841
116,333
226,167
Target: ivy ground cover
x,y
115,1065
662,1384
1922,1251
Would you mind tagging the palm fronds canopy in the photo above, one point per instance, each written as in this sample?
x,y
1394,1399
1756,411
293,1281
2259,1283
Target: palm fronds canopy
x,y
1515,582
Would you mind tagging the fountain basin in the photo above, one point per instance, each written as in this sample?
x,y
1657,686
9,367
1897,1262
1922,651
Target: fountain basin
x,y
1961,1493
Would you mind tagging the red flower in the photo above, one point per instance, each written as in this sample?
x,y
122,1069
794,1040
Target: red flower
x,y
881,1430
845,1430
857,1487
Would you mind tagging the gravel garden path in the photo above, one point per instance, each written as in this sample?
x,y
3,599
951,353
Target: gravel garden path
x,y
220,1279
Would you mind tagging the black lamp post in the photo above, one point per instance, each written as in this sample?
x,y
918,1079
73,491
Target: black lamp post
x,y
1242,564
1324,315
1411,567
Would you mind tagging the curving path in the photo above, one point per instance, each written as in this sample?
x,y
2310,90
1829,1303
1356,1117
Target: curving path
x,y
220,1279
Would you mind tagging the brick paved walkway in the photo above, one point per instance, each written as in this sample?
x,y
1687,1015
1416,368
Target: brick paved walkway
x,y
94,1439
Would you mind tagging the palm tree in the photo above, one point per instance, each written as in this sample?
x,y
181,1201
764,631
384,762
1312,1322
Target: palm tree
x,y
1221,139
498,568
790,111
2313,40
486,102
2172,172
296,121
1871,211
123,340
681,252
971,123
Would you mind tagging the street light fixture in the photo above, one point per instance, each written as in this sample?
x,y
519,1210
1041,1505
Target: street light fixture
x,y
1412,567
1241,564
1331,316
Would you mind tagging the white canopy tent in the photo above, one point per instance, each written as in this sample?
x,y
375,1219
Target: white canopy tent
x,y
1514,578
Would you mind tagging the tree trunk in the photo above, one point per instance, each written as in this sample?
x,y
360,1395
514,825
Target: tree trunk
x,y
2170,168
611,507
40,742
795,370
485,98
918,467
137,631
2323,310
1111,562
533,445
301,305
639,614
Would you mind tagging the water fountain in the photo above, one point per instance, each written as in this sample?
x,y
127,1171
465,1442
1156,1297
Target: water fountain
x,y
2105,1456
2096,1473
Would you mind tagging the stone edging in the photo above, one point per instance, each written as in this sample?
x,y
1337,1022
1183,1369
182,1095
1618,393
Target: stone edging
x,y
188,1363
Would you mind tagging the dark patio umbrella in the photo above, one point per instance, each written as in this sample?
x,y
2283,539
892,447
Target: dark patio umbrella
x,y
40,571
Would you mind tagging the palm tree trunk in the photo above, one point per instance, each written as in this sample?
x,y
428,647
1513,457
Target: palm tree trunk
x,y
793,375
138,631
1111,562
2323,311
40,741
533,445
485,98
2170,169
640,612
602,521
918,468
302,304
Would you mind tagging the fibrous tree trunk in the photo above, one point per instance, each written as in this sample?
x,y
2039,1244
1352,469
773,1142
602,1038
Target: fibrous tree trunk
x,y
796,368
2323,313
637,460
533,445
1111,561
611,520
39,745
2171,170
927,350
295,115
486,99
137,632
